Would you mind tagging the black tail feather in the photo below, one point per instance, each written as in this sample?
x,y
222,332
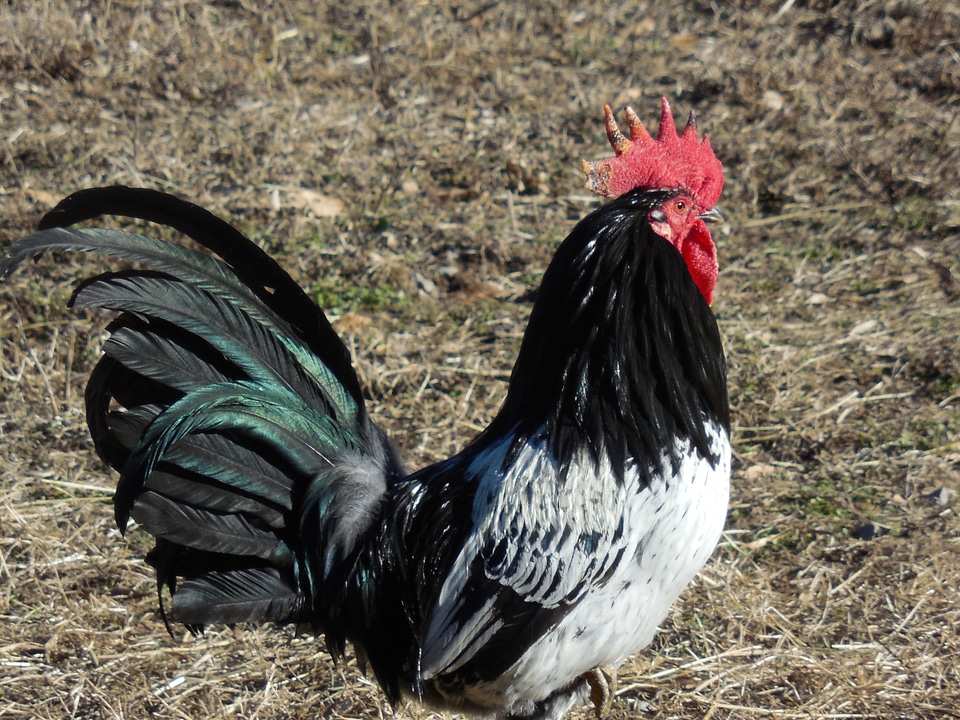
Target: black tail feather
x,y
221,462
202,492
229,329
258,593
111,382
223,588
231,533
155,350
253,266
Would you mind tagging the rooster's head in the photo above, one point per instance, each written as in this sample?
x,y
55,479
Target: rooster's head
x,y
683,163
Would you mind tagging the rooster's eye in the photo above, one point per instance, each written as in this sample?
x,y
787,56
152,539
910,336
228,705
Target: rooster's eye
x,y
680,206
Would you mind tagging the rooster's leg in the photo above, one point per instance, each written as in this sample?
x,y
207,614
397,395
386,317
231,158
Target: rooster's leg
x,y
603,687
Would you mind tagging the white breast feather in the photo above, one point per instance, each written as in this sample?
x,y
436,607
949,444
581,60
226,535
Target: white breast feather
x,y
662,534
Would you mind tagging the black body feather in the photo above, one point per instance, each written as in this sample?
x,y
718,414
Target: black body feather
x,y
231,409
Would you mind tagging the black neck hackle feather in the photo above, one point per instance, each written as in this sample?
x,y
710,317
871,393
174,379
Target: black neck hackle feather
x,y
622,353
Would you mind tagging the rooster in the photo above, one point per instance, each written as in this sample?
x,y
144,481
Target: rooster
x,y
508,581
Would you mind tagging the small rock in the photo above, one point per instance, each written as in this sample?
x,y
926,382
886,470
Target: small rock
x,y
880,34
864,327
773,100
426,285
941,496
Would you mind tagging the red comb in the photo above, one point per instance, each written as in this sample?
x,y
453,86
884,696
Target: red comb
x,y
671,161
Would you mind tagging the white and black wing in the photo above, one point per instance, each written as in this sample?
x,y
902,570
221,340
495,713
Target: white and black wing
x,y
542,537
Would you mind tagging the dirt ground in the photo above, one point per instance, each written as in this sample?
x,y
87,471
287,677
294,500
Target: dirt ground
x,y
415,166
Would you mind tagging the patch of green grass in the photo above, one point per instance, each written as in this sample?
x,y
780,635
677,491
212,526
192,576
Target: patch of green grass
x,y
479,310
788,541
767,286
914,213
927,435
582,50
865,287
825,254
338,297
341,43
39,302
823,506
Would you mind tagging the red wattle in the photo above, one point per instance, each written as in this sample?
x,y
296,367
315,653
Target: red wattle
x,y
700,254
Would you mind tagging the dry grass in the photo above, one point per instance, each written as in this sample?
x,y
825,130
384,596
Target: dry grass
x,y
416,166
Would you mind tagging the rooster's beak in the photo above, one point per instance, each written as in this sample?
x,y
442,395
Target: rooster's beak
x,y
711,216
